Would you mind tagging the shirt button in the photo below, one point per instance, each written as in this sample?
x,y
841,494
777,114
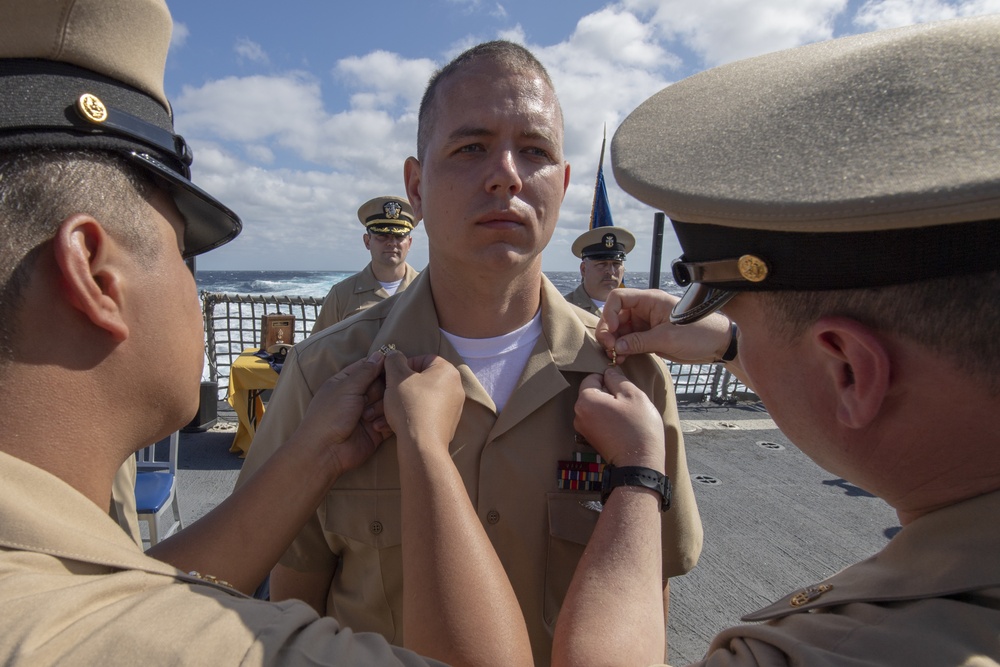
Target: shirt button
x,y
376,527
493,516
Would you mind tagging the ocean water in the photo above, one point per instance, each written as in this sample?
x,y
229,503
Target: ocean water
x,y
318,283
693,380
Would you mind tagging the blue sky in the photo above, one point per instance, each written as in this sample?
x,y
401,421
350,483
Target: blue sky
x,y
299,111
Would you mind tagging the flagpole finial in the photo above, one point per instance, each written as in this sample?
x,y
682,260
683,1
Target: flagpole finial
x,y
600,210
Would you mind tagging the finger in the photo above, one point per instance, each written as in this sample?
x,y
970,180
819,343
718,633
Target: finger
x,y
605,338
362,370
616,381
422,362
381,426
609,314
633,343
592,381
397,368
374,410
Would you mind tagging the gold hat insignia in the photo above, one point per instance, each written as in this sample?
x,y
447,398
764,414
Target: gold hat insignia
x,y
92,108
609,241
752,268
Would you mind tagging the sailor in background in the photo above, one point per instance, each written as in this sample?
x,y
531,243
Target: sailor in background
x,y
602,253
388,222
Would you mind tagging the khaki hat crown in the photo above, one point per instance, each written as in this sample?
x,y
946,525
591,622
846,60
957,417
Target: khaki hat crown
x,y
88,75
864,161
387,215
125,40
605,242
890,129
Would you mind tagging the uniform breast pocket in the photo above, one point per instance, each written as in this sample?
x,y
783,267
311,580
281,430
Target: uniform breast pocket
x,y
362,527
572,517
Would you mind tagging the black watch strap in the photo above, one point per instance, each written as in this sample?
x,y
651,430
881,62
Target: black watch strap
x,y
734,347
635,476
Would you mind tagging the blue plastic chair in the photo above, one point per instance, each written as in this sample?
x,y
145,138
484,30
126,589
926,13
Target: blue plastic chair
x,y
156,490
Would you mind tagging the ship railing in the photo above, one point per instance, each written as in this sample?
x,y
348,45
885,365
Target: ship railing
x,y
232,324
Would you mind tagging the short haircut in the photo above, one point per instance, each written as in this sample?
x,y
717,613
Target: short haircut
x,y
956,316
38,190
501,53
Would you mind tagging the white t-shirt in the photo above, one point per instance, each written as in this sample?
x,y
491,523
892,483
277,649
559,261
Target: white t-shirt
x,y
498,362
598,304
390,288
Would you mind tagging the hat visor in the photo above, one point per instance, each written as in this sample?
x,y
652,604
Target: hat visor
x,y
699,301
385,228
208,223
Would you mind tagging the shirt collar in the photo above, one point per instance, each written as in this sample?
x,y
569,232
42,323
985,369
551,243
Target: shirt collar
x,y
947,552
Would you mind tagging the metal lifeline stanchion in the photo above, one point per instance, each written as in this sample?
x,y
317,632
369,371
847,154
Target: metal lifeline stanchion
x,y
654,260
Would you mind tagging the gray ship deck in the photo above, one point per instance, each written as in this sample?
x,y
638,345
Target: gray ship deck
x,y
774,521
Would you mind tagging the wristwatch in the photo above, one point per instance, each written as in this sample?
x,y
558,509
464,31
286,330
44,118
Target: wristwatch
x,y
635,476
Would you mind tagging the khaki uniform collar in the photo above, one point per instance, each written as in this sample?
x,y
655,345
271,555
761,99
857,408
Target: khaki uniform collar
x,y
567,344
367,282
40,513
948,552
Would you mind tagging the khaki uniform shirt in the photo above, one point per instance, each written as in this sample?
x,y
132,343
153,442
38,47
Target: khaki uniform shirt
x,y
76,590
123,509
581,299
354,294
509,463
931,597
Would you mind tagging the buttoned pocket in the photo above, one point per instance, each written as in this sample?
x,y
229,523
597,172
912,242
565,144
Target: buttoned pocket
x,y
572,518
362,528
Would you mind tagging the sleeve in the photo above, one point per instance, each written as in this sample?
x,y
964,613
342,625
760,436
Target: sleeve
x,y
328,312
285,411
681,524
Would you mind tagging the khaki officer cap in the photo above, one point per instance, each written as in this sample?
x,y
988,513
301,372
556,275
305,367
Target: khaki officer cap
x,y
864,161
603,243
88,75
387,215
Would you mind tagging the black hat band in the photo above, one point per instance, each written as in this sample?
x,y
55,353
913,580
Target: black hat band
x,y
764,260
56,105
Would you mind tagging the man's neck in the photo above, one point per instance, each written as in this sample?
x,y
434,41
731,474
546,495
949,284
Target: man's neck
x,y
389,274
485,306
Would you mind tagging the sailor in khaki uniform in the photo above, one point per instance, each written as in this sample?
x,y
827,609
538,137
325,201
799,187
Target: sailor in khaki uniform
x,y
489,203
843,260
98,217
602,252
388,222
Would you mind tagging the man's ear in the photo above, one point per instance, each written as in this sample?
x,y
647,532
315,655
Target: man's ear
x,y
858,364
92,283
367,239
411,177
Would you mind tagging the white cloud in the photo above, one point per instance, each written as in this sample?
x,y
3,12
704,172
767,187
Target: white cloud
x,y
721,31
880,14
387,79
499,12
247,49
608,66
179,35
